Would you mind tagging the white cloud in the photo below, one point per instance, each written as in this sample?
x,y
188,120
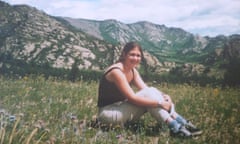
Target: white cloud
x,y
206,17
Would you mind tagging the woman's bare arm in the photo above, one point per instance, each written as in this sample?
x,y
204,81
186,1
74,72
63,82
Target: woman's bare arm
x,y
121,82
138,81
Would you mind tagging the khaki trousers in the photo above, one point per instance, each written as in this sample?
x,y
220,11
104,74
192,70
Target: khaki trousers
x,y
121,112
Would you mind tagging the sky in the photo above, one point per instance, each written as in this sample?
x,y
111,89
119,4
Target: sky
x,y
202,17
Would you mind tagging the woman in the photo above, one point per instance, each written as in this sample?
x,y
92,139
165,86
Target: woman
x,y
118,103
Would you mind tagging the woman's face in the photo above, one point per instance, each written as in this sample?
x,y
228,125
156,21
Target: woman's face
x,y
133,57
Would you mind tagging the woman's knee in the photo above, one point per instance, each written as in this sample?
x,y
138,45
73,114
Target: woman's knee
x,y
154,93
155,90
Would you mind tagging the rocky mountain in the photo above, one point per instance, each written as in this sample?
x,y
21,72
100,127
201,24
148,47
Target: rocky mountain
x,y
30,35
174,48
33,36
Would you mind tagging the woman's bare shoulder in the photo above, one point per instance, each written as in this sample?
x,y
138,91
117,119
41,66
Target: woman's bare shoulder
x,y
113,72
117,65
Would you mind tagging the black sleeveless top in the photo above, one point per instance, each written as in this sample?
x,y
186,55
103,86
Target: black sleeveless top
x,y
108,92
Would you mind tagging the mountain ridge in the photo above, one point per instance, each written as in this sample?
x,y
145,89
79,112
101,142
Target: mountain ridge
x,y
33,36
171,46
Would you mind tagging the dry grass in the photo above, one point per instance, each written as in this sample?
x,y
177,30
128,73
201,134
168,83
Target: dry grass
x,y
35,110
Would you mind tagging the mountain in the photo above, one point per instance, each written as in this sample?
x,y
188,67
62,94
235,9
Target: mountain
x,y
173,47
35,37
162,41
32,37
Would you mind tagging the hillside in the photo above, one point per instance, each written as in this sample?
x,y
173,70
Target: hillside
x,y
173,47
29,37
162,41
33,36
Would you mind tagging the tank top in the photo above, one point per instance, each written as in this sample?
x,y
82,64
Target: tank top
x,y
108,92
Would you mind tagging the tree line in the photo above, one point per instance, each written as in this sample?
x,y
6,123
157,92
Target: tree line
x,y
19,68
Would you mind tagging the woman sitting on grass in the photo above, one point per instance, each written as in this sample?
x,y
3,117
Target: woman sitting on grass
x,y
119,104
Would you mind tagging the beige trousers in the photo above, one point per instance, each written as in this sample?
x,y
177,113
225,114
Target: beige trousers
x,y
124,111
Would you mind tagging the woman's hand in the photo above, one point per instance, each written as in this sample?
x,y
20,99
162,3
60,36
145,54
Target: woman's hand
x,y
166,105
167,98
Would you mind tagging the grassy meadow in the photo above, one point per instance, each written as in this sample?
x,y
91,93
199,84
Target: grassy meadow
x,y
39,111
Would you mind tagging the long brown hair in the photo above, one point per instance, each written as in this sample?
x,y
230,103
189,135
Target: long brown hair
x,y
128,47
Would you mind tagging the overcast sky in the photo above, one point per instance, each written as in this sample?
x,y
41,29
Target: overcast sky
x,y
204,17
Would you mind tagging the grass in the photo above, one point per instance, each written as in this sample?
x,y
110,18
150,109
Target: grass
x,y
39,111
